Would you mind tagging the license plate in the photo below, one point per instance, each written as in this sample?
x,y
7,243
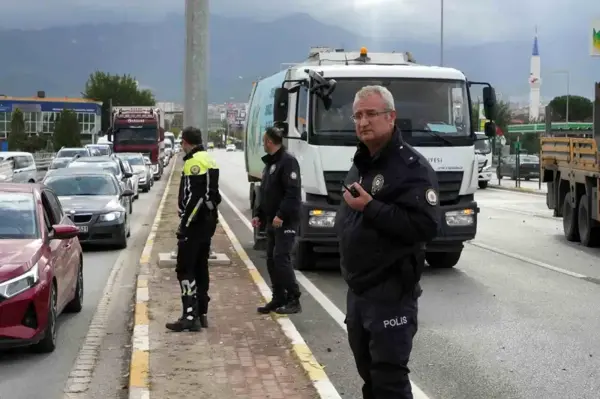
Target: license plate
x,y
83,229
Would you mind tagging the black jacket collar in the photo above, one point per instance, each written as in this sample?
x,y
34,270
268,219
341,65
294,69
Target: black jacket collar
x,y
363,157
271,159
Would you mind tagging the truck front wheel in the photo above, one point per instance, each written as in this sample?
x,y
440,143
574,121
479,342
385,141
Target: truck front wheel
x,y
442,260
483,184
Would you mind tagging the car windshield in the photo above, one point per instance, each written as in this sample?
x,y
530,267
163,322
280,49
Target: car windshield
x,y
138,135
18,216
109,167
70,153
101,149
133,159
422,105
59,163
69,186
483,146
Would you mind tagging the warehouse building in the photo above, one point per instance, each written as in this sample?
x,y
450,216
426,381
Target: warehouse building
x,y
40,114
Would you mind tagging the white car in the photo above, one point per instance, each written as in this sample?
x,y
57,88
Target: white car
x,y
230,147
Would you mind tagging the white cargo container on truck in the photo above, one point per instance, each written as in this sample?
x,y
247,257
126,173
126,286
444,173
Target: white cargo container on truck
x,y
312,102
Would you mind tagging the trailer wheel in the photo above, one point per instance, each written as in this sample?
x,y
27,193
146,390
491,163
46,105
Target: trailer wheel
x,y
588,234
570,220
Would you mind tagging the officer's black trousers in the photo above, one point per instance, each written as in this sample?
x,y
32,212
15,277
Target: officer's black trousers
x,y
280,242
192,264
380,335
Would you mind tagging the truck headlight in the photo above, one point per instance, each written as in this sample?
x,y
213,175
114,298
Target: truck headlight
x,y
464,217
20,283
321,219
110,216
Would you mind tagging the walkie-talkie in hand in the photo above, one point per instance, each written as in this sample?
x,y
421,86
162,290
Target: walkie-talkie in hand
x,y
353,191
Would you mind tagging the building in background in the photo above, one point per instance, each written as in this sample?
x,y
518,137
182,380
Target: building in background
x,y
535,82
40,114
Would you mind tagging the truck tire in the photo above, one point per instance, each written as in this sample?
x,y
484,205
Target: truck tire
x,y
589,234
443,260
483,184
570,227
304,256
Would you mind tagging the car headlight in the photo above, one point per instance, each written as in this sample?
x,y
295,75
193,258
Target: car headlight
x,y
486,168
111,216
321,219
25,281
464,217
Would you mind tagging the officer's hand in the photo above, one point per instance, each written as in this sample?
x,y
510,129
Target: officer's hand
x,y
255,222
358,203
277,223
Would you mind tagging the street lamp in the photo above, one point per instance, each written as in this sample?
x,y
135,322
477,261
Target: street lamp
x,y
567,74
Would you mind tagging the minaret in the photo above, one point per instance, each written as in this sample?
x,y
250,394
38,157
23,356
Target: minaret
x,y
535,81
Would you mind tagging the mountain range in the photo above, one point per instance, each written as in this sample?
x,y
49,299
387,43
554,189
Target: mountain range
x,y
58,60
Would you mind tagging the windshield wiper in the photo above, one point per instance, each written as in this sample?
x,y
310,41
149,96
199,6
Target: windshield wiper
x,y
432,134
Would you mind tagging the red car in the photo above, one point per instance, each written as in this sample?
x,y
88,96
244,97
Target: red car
x,y
41,266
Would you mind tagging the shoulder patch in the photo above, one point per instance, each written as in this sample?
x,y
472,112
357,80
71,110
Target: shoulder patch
x,y
293,176
195,170
431,197
377,185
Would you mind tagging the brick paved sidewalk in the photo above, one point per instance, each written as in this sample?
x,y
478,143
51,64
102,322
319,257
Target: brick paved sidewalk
x,y
241,355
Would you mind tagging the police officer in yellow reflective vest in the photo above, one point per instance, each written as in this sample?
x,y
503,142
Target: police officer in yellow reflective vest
x,y
198,200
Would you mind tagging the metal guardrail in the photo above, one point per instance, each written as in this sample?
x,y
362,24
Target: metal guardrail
x,y
43,159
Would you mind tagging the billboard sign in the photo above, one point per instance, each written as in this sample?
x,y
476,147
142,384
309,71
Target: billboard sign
x,y
595,38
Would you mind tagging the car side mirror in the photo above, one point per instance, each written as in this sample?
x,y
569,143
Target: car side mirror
x,y
63,232
127,175
127,193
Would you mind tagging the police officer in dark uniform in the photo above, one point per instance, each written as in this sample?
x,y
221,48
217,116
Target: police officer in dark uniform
x,y
388,215
198,200
279,209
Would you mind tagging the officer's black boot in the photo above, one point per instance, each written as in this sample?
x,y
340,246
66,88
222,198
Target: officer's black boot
x,y
291,307
189,320
277,301
202,311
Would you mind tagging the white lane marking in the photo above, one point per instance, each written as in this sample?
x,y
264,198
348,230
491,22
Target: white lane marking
x,y
336,314
497,190
527,260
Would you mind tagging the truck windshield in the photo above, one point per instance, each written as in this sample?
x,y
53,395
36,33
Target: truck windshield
x,y
142,135
422,105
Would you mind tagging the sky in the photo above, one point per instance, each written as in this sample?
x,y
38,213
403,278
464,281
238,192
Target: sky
x,y
468,21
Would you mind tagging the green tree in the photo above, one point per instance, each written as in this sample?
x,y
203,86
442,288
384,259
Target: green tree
x,y
581,109
122,90
67,131
17,138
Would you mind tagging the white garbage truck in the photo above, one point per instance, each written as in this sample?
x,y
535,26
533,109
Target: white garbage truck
x,y
312,102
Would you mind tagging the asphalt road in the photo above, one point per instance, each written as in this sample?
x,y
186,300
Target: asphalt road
x,y
24,375
517,318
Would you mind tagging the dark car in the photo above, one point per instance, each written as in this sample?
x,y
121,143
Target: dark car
x,y
41,266
96,203
529,167
108,163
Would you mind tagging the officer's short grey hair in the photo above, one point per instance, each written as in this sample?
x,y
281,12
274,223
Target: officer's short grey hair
x,y
383,92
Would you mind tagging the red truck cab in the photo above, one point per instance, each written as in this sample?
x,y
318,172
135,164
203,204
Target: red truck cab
x,y
139,129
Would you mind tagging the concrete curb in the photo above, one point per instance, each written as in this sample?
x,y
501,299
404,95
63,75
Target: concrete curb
x,y
139,365
311,366
517,189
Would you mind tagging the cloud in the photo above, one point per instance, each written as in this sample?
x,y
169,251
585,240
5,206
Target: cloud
x,y
465,21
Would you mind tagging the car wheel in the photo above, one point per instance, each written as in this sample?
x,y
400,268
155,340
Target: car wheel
x,y
48,342
130,207
128,227
122,243
76,303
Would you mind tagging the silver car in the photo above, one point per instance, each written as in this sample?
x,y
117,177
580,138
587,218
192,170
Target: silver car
x,y
139,168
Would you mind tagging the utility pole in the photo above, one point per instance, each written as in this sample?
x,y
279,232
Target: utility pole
x,y
196,65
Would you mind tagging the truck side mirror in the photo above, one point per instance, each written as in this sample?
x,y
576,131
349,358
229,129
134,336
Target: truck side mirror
x,y
490,129
280,106
489,102
109,134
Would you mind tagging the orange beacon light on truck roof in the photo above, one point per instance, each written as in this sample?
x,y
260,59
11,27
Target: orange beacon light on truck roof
x,y
363,51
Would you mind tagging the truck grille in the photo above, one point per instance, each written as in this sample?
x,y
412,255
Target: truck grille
x,y
333,183
449,182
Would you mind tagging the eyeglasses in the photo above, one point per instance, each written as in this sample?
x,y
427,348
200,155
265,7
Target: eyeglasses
x,y
369,115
